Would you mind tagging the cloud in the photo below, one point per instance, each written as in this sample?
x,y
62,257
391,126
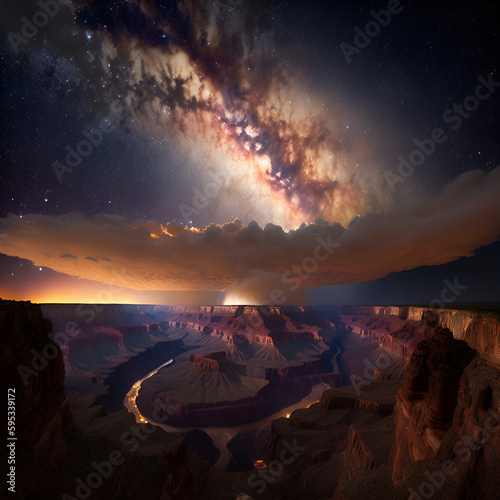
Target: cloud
x,y
148,256
264,288
68,256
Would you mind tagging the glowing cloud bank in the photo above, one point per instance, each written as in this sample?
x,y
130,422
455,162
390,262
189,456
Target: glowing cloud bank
x,y
148,256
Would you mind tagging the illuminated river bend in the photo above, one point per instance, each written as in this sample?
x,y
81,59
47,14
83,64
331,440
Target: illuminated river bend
x,y
220,435
129,401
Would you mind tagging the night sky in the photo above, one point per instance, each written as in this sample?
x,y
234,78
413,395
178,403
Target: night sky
x,y
199,117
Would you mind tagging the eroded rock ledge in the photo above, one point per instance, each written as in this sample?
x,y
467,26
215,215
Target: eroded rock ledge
x,y
31,364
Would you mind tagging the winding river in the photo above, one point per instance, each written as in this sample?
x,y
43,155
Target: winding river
x,y
129,401
220,435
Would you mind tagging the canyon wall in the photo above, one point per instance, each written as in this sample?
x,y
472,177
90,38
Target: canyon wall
x,y
434,434
479,328
103,327
213,362
122,377
31,364
259,324
286,386
282,346
448,412
52,453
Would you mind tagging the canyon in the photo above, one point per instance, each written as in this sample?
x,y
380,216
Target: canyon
x,y
257,402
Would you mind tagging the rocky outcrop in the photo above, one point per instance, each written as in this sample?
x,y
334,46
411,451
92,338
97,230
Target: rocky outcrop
x,y
330,401
214,362
473,441
437,436
99,327
98,335
356,459
327,447
286,386
479,328
175,471
32,369
155,464
258,324
123,376
427,401
277,335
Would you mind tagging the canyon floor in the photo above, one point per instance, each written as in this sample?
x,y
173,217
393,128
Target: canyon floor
x,y
255,402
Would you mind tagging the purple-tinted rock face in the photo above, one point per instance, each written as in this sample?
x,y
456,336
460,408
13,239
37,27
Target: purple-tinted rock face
x,y
480,329
428,399
432,398
32,367
213,362
284,343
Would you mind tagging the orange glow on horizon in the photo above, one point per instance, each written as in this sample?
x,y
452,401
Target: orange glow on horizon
x,y
59,288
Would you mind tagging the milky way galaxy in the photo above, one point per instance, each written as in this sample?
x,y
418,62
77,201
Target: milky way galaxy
x,y
192,74
199,146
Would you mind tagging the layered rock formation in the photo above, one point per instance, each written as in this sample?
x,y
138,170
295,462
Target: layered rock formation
x,y
437,436
121,378
32,367
103,328
325,448
427,402
473,441
479,328
331,400
213,362
96,336
448,413
271,357
53,456
258,324
278,388
382,437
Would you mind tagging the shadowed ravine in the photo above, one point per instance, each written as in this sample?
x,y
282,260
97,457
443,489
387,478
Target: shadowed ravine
x,y
387,395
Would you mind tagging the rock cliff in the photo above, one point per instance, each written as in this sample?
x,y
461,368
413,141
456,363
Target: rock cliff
x,y
479,328
32,366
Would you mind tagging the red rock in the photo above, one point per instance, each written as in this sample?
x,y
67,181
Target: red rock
x,y
213,362
42,410
427,402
